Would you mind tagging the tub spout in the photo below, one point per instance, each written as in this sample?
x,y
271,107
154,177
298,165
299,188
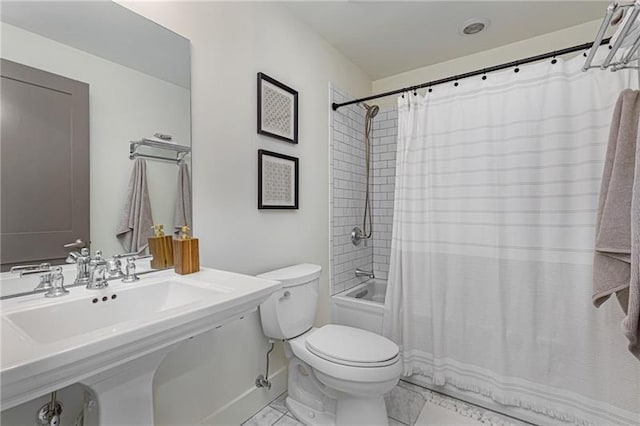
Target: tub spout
x,y
362,273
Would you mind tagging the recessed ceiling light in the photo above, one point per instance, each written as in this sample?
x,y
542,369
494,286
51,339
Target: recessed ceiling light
x,y
474,26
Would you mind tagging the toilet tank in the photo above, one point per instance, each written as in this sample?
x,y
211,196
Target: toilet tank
x,y
289,312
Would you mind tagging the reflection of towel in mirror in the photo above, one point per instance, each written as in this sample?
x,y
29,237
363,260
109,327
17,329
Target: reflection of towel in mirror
x,y
616,267
136,220
182,215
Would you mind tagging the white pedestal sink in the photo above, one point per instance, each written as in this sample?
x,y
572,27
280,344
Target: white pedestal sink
x,y
113,340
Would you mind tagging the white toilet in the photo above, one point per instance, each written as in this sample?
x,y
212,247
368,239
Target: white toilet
x,y
337,374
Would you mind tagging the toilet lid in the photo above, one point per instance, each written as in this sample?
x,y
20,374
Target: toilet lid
x,y
352,346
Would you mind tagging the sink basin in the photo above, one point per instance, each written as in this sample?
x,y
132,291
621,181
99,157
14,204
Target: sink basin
x,y
112,340
71,318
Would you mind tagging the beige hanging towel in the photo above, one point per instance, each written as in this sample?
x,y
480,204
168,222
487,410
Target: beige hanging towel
x,y
617,247
136,221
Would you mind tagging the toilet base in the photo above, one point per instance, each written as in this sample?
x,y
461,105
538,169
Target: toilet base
x,y
357,411
367,412
314,404
308,415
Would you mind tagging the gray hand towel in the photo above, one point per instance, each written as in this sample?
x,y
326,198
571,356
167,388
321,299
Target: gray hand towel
x,y
616,259
136,220
182,214
631,323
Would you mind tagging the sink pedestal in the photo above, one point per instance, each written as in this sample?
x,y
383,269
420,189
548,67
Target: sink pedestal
x,y
124,392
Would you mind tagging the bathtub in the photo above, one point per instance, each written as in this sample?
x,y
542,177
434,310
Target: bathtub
x,y
361,306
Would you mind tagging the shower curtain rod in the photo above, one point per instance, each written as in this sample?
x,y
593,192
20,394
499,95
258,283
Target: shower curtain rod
x,y
517,63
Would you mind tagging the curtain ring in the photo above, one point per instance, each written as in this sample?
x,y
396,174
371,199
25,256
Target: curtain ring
x,y
516,69
484,73
554,60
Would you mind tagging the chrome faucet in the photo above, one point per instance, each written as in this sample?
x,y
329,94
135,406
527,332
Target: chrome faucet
x,y
31,269
82,260
102,270
45,282
130,276
56,288
97,272
51,280
362,273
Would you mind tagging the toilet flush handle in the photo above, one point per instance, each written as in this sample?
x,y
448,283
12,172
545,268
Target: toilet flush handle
x,y
286,295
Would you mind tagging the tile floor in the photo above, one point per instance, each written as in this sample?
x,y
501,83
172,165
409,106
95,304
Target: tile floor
x,y
277,414
407,405
432,414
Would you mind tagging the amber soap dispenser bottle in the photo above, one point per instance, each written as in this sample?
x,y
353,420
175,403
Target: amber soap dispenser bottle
x,y
186,252
161,248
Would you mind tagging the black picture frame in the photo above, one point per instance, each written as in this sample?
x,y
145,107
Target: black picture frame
x,y
264,204
263,127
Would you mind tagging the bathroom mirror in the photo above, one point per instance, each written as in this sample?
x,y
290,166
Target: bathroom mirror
x,y
102,64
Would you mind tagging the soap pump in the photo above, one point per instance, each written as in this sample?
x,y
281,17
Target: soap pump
x,y
161,248
186,252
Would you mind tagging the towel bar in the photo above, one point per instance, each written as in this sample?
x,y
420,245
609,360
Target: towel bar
x,y
181,150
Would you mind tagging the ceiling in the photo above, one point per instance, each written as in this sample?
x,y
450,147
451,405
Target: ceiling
x,y
389,37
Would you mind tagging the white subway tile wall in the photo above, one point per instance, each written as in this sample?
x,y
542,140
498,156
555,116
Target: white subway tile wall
x,y
385,132
347,192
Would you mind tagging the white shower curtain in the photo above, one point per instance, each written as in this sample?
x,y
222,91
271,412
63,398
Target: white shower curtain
x,y
495,202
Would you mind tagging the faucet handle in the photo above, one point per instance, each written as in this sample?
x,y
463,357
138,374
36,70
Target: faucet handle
x,y
97,274
45,282
114,267
17,269
97,261
76,244
138,254
32,269
130,271
23,268
57,284
81,256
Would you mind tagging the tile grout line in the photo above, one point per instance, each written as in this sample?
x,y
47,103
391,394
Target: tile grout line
x,y
401,422
279,418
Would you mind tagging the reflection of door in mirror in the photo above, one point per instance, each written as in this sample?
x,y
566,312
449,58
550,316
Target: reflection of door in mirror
x,y
44,164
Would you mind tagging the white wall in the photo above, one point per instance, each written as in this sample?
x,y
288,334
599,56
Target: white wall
x,y
231,42
541,44
124,105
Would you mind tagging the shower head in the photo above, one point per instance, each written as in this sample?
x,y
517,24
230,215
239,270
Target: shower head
x,y
372,110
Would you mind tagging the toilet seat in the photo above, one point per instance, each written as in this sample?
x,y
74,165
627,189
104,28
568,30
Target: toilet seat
x,y
352,346
363,373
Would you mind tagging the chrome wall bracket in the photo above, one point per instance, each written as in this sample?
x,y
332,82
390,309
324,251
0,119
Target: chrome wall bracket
x,y
357,236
